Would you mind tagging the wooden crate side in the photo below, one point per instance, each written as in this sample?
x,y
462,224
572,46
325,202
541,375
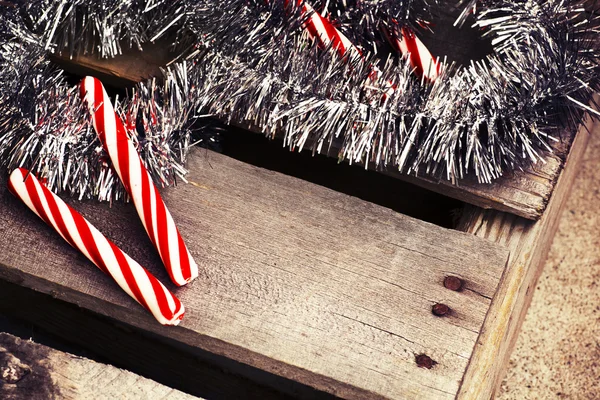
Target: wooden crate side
x,y
296,280
522,193
529,243
37,371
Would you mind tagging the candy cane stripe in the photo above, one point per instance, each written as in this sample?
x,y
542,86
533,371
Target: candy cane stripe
x,y
154,235
166,301
155,217
61,223
136,281
418,54
409,45
90,250
69,227
185,261
128,276
36,201
323,30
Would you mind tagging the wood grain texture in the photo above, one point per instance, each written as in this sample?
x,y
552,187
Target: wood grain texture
x,y
42,372
522,193
529,243
296,280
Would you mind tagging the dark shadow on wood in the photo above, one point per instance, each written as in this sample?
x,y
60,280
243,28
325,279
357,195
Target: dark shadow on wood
x,y
179,366
352,180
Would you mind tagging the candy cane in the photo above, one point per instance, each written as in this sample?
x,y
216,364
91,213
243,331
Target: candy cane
x,y
323,30
408,44
420,58
137,181
134,279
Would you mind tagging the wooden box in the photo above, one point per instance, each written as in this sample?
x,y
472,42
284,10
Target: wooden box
x,y
305,291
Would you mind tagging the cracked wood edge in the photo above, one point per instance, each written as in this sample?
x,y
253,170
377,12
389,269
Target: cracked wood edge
x,y
529,243
523,193
30,370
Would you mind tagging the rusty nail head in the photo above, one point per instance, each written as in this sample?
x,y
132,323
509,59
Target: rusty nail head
x,y
453,283
424,361
440,309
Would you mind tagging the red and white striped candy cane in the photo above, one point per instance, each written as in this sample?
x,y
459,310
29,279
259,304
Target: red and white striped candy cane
x,y
134,279
323,30
137,181
421,60
409,44
327,35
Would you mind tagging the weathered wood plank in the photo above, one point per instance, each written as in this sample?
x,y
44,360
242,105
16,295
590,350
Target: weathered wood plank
x,y
529,243
522,193
33,371
296,280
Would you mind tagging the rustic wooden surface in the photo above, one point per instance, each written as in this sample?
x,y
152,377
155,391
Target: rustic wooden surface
x,y
522,193
529,243
296,280
32,371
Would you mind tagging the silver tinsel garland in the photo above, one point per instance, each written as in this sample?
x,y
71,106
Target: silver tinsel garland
x,y
250,63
